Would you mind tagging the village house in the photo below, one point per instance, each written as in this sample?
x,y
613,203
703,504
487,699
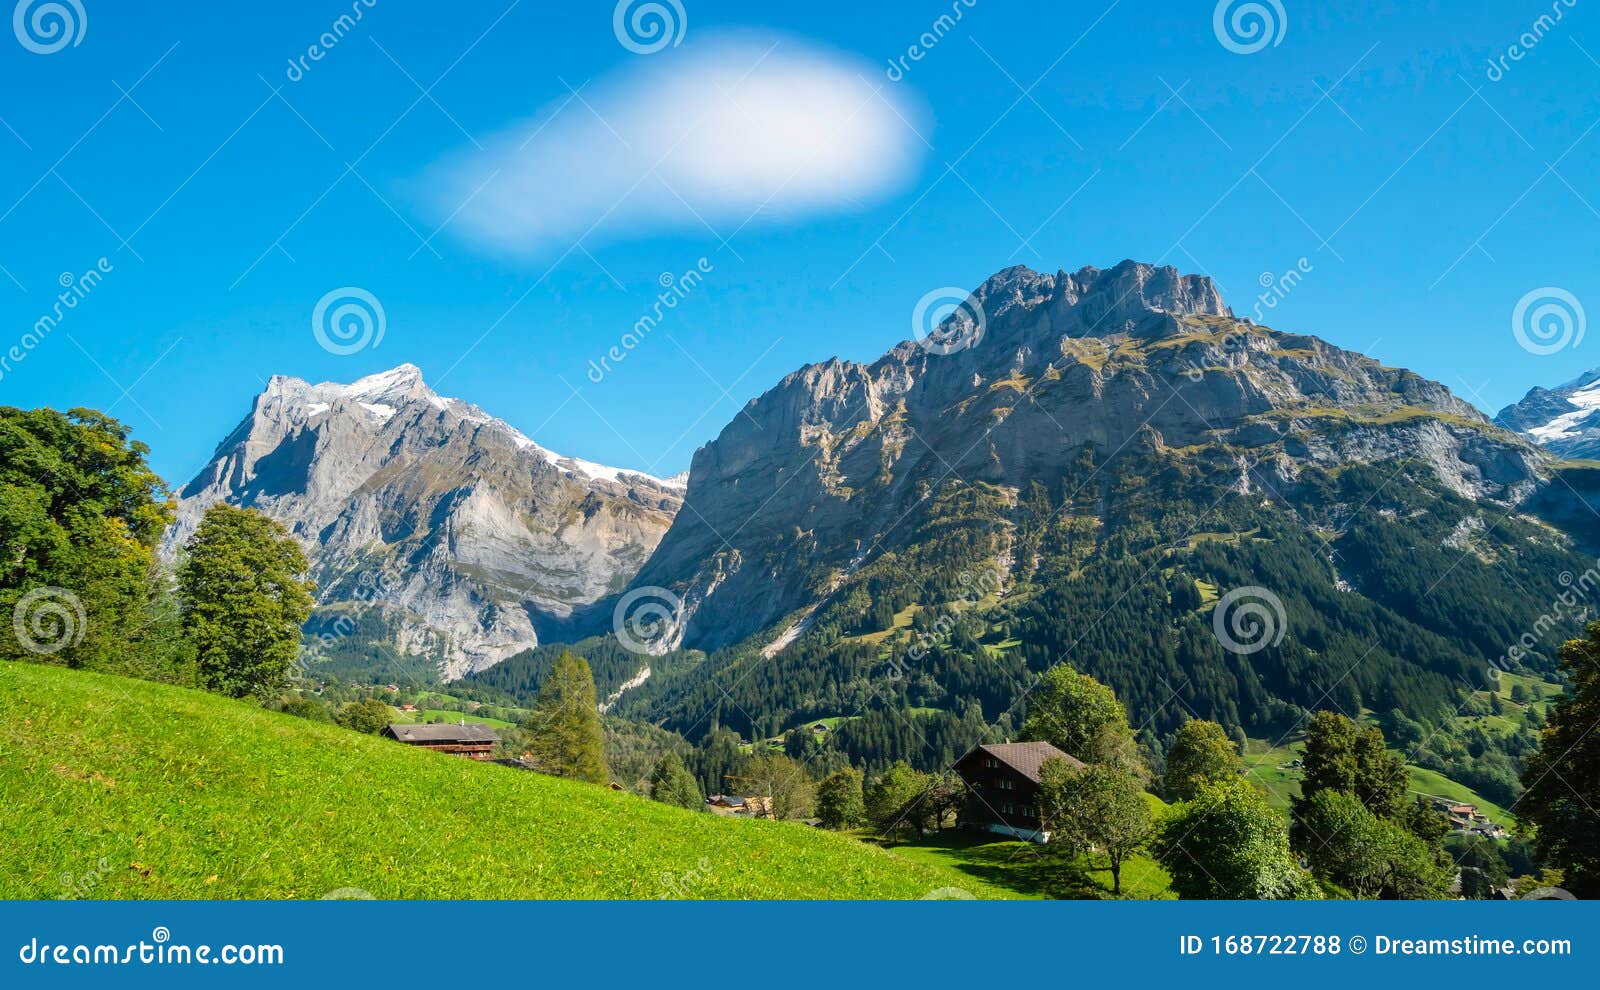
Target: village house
x,y
739,807
471,740
1003,787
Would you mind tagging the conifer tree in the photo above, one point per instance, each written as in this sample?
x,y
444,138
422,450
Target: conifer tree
x,y
567,739
672,783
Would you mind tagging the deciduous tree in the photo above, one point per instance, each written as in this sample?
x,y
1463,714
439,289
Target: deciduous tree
x,y
81,513
1095,811
1201,754
1082,717
1368,856
244,596
785,782
1352,759
890,797
1230,844
841,801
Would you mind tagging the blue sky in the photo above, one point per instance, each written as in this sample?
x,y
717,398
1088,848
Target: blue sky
x,y
1426,197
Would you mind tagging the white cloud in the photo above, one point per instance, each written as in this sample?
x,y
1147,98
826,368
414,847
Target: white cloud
x,y
718,133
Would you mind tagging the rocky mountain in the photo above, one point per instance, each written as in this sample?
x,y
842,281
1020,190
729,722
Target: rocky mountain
x,y
1565,419
840,462
438,534
1107,468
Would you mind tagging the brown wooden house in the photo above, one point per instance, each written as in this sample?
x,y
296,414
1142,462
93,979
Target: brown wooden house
x,y
1003,787
469,739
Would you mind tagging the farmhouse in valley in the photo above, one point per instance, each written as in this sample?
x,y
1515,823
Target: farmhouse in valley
x,y
1003,787
468,739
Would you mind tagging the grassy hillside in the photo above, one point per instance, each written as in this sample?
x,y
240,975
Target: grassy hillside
x,y
1268,768
1031,870
127,789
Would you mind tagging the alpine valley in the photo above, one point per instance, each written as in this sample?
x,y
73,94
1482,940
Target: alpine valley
x,y
1078,467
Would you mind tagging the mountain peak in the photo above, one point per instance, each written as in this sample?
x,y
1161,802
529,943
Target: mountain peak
x,y
1129,297
402,377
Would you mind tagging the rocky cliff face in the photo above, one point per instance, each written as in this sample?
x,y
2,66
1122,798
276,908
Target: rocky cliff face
x,y
1565,419
836,464
457,537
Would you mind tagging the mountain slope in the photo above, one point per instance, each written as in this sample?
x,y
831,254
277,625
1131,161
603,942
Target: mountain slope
x,y
1110,477
435,530
119,788
840,460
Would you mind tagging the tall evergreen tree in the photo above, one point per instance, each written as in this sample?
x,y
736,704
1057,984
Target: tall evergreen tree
x,y
567,739
672,783
1563,777
244,597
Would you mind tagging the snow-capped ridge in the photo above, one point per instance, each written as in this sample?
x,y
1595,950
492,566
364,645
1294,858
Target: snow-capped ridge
x,y
405,382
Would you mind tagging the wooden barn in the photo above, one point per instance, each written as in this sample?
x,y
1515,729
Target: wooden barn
x,y
468,739
1003,782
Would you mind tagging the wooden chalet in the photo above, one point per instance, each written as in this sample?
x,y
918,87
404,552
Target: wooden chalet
x,y
468,739
1003,787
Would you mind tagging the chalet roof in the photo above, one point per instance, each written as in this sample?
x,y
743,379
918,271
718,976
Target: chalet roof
x,y
1025,757
447,732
